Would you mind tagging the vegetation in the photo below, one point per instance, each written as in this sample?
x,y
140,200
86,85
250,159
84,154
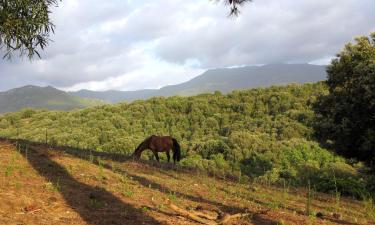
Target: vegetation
x,y
346,116
234,5
25,26
262,134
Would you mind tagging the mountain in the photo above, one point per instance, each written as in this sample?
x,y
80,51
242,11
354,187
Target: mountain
x,y
42,97
224,80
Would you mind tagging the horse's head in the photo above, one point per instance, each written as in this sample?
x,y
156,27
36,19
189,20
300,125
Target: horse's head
x,y
138,151
136,155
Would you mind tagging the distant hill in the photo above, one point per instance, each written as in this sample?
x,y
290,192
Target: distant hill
x,y
224,80
42,97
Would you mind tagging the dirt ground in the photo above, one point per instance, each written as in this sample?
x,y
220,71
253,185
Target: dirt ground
x,y
42,185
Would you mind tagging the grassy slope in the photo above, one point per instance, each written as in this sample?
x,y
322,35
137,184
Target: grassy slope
x,y
39,185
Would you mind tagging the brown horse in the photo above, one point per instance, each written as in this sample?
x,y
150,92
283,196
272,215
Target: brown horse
x,y
159,144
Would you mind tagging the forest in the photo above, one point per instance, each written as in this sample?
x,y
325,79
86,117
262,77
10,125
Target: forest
x,y
261,135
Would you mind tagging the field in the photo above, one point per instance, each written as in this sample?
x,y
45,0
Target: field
x,y
43,185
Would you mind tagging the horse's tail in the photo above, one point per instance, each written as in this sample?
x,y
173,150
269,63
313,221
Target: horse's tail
x,y
176,150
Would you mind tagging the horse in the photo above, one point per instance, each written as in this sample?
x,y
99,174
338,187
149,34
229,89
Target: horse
x,y
160,144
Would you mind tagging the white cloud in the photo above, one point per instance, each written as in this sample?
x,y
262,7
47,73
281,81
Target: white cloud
x,y
129,45
155,75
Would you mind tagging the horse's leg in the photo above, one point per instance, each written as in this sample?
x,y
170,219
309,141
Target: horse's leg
x,y
168,156
156,156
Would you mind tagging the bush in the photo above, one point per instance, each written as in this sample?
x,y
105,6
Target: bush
x,y
256,165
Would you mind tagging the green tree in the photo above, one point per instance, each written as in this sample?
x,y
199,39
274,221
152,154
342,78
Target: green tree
x,y
347,114
25,26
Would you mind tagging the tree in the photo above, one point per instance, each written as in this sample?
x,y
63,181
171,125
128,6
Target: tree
x,y
25,26
346,116
234,5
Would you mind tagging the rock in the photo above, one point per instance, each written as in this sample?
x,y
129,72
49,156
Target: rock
x,y
31,208
319,215
93,195
199,207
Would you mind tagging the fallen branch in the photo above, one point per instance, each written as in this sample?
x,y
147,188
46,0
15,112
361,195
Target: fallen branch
x,y
204,218
204,215
31,209
190,215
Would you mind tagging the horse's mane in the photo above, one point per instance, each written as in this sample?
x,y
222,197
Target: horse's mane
x,y
139,146
142,144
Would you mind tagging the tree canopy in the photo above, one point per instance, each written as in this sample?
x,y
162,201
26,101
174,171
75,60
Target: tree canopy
x,y
346,116
25,26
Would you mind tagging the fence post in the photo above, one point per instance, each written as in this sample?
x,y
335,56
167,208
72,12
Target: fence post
x,y
46,136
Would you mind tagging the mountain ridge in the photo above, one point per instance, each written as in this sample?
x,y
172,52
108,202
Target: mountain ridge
x,y
220,79
48,97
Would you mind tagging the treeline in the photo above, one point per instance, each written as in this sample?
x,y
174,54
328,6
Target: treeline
x,y
265,134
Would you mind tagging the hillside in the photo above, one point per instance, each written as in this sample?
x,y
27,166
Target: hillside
x,y
43,185
42,97
264,134
114,96
224,80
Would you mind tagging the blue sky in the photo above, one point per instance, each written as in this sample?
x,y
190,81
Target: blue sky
x,y
131,45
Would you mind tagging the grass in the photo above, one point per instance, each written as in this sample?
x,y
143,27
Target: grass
x,y
368,204
96,204
285,194
135,193
127,191
337,193
54,187
9,170
308,200
172,196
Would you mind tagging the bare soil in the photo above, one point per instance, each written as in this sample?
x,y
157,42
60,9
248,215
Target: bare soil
x,y
43,185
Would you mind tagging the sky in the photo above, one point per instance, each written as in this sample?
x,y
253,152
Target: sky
x,y
136,44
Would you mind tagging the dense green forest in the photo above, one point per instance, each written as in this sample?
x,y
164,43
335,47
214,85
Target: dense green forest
x,y
263,134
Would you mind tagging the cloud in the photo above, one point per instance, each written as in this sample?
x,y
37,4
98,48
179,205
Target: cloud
x,y
129,45
271,31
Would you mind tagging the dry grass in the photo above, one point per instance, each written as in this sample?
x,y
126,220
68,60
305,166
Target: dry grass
x,y
49,186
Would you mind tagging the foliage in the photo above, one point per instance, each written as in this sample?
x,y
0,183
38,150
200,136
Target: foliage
x,y
25,25
346,116
264,134
234,4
